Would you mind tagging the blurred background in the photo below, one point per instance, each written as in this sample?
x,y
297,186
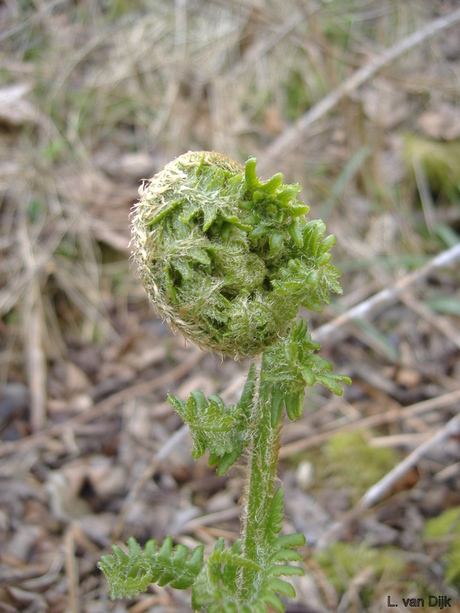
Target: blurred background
x,y
356,100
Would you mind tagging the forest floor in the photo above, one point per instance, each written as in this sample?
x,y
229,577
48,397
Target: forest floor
x,y
356,100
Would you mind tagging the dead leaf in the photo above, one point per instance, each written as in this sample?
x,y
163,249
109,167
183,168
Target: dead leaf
x,y
75,379
14,109
107,480
385,105
409,378
272,122
443,122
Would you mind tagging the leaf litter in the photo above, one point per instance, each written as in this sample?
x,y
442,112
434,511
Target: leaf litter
x,y
95,98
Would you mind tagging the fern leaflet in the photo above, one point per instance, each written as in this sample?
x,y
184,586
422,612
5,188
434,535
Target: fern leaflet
x,y
290,365
217,585
223,430
130,573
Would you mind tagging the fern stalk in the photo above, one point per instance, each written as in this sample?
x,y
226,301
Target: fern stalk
x,y
260,483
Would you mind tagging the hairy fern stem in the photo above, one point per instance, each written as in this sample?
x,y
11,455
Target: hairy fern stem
x,y
260,484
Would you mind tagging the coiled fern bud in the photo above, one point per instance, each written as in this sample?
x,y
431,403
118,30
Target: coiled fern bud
x,y
225,258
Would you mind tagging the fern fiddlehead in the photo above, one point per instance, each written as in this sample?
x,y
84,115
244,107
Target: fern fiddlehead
x,y
228,259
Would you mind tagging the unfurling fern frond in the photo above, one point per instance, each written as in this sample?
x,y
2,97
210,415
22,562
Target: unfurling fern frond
x,y
227,259
130,573
290,365
223,430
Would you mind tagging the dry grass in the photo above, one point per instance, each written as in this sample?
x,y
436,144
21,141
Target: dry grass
x,y
95,96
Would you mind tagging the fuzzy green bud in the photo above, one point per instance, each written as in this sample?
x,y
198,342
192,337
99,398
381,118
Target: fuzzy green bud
x,y
215,247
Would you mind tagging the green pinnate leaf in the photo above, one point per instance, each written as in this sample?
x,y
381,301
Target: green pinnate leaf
x,y
295,230
276,406
250,174
274,601
216,588
333,382
275,516
216,585
291,365
289,540
276,241
130,574
310,280
272,185
285,555
223,430
284,570
282,587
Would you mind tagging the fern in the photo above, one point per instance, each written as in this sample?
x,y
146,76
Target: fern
x,y
215,584
309,276
130,573
222,430
292,364
217,587
228,259
279,551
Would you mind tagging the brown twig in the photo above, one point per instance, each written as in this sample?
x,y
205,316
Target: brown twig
x,y
387,296
377,491
441,324
293,137
33,336
71,570
382,487
372,421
